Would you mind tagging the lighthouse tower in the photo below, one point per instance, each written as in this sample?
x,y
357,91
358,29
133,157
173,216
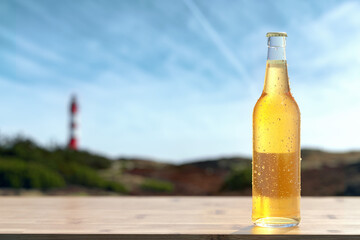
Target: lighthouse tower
x,y
73,140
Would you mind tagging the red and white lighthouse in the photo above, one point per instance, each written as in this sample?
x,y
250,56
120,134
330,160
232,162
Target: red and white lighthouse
x,y
73,139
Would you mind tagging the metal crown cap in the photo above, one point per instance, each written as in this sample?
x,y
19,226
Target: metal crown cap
x,y
276,34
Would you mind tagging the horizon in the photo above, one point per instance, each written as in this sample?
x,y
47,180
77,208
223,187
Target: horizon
x,y
52,146
175,81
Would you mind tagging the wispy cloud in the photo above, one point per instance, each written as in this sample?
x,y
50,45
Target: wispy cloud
x,y
29,47
169,80
215,37
327,78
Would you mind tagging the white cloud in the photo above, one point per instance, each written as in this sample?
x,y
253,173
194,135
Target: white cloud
x,y
167,92
30,47
327,79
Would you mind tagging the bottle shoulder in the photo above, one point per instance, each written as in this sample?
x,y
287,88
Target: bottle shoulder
x,y
276,103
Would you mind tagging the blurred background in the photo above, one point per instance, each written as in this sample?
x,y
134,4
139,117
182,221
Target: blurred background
x,y
156,97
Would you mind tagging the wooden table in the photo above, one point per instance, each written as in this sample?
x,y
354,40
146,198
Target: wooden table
x,y
168,218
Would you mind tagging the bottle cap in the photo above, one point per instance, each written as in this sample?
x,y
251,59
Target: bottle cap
x,y
276,34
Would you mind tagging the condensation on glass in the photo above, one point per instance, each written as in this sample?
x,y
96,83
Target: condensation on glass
x,y
276,144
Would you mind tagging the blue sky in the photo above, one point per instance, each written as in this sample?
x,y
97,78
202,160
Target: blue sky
x,y
174,80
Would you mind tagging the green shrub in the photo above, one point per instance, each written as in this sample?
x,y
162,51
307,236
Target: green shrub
x,y
77,174
27,150
15,173
115,187
238,179
27,165
84,158
153,185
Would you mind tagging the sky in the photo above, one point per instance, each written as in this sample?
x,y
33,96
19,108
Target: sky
x,y
174,80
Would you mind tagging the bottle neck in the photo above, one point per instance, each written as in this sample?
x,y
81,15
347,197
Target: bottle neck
x,y
276,76
276,48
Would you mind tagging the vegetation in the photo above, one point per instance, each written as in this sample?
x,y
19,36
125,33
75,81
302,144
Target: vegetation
x,y
24,164
56,170
154,185
27,150
15,173
238,179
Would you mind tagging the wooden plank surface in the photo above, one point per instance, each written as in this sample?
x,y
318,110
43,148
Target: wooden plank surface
x,y
168,218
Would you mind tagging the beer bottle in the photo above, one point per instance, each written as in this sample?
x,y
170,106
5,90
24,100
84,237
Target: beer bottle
x,y
276,145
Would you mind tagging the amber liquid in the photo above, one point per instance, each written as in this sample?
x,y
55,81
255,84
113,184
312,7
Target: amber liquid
x,y
276,151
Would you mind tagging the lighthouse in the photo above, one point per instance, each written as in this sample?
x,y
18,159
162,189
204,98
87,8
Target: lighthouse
x,y
73,139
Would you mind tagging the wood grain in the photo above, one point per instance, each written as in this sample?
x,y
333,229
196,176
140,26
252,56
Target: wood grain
x,y
168,218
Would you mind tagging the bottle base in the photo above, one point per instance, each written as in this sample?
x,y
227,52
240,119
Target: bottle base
x,y
276,222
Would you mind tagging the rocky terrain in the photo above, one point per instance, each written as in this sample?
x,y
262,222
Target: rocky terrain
x,y
323,174
27,168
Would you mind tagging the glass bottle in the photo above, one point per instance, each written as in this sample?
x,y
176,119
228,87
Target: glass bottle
x,y
276,145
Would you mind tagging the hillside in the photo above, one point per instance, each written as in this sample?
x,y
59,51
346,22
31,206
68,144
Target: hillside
x,y
25,167
323,174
